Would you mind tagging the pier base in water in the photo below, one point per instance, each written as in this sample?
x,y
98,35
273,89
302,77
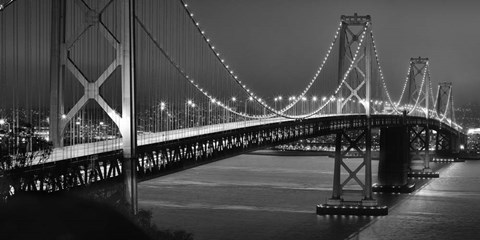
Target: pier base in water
x,y
407,188
423,175
447,160
353,208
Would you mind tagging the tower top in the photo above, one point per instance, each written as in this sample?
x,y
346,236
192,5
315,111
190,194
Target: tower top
x,y
355,19
445,84
419,60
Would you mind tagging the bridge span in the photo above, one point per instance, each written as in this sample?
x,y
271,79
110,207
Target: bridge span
x,y
164,153
147,75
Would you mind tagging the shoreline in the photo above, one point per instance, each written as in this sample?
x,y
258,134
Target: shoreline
x,y
303,153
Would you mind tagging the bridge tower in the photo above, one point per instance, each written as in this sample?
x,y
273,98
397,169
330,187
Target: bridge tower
x,y
354,77
394,159
445,143
62,62
354,33
418,103
418,84
444,105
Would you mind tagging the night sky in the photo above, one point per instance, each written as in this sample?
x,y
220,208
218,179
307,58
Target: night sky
x,y
276,45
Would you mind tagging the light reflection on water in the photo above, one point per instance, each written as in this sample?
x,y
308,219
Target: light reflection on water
x,y
273,197
445,208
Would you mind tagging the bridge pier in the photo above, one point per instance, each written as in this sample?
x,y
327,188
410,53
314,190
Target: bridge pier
x,y
61,64
419,143
393,164
442,142
57,71
358,198
128,126
447,147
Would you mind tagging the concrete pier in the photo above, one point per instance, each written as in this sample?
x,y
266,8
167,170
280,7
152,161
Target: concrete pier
x,y
394,161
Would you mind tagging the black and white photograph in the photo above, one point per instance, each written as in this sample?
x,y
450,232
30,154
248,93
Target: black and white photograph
x,y
239,119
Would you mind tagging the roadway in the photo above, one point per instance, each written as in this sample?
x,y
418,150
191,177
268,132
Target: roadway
x,y
146,138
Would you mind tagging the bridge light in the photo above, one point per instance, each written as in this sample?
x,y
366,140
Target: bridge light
x,y
304,99
234,99
64,116
189,102
250,98
314,98
324,98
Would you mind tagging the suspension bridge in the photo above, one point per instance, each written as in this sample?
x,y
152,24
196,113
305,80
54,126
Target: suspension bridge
x,y
133,89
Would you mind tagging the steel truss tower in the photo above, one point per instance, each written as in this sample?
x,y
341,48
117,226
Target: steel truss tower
x,y
61,62
419,84
355,71
419,97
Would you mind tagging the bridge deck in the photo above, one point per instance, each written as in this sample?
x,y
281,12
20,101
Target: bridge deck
x,y
86,149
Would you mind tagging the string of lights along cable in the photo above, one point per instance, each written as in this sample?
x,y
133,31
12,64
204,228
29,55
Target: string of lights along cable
x,y
185,86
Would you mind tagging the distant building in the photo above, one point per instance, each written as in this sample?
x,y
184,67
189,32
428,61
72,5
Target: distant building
x,y
472,131
468,115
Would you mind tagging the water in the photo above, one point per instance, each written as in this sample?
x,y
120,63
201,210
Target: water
x,y
274,197
445,208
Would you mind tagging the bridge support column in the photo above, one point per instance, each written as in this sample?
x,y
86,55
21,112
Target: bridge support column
x,y
447,146
367,159
420,155
57,71
394,161
127,123
427,150
357,199
454,144
444,146
337,189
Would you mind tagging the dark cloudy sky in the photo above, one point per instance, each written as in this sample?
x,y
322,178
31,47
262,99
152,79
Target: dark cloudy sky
x,y
276,45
